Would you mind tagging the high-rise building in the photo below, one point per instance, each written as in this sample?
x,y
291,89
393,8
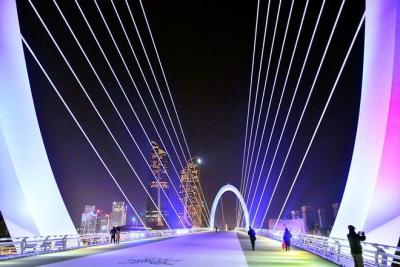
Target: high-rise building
x,y
335,208
322,219
293,225
309,218
118,214
190,194
103,223
88,220
157,183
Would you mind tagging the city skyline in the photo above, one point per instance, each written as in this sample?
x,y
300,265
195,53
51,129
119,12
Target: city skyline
x,y
214,132
101,221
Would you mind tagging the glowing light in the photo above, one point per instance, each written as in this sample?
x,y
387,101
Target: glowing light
x,y
182,231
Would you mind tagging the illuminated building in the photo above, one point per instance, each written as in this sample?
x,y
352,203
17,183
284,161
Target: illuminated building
x,y
190,194
293,225
88,220
322,219
103,222
118,214
335,208
309,218
158,180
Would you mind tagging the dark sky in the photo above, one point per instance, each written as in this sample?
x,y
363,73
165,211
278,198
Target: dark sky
x,y
206,48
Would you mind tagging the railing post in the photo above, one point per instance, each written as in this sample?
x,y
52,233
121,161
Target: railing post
x,y
23,245
64,242
338,251
45,243
382,252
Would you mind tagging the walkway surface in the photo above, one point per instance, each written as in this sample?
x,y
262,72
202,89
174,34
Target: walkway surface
x,y
195,250
269,253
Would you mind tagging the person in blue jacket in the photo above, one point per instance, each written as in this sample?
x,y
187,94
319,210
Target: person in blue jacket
x,y
287,236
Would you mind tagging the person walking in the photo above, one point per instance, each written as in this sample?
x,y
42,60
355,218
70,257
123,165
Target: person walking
x,y
252,235
117,235
287,236
355,245
216,229
112,233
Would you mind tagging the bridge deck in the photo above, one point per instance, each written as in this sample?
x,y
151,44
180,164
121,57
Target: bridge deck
x,y
206,249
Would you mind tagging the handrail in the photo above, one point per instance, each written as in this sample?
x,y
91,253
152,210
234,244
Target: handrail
x,y
25,246
337,250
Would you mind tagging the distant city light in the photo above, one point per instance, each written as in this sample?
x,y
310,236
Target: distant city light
x,y
199,161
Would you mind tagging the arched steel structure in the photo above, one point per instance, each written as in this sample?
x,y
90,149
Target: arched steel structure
x,y
371,198
234,190
30,201
32,204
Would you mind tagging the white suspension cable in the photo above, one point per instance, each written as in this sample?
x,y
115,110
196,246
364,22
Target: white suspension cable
x,y
163,73
121,87
249,155
155,79
298,82
305,106
130,74
159,90
82,130
248,108
148,87
110,99
322,115
248,163
280,102
249,101
100,117
273,89
262,102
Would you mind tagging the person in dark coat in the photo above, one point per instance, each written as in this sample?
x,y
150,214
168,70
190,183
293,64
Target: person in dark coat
x,y
112,233
355,245
252,235
287,236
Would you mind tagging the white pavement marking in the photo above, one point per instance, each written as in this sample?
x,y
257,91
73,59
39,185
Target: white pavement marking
x,y
208,249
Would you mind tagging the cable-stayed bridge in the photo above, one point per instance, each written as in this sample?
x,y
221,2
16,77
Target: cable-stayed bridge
x,y
121,73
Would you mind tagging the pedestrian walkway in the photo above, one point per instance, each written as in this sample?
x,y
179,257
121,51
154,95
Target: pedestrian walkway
x,y
270,253
222,249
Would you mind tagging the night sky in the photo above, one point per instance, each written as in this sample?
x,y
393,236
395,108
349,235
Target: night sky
x,y
206,49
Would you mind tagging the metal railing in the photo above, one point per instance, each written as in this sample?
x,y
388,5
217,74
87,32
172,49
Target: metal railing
x,y
26,246
338,250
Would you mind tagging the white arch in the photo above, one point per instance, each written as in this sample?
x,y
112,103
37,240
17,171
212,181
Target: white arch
x,y
233,189
375,162
30,201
